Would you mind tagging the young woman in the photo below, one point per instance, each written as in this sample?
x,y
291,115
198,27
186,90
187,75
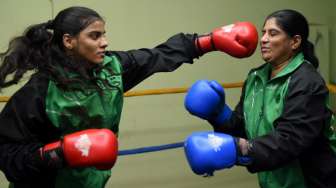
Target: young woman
x,y
53,130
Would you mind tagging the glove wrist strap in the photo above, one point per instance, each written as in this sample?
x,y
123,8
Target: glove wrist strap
x,y
204,44
220,117
52,155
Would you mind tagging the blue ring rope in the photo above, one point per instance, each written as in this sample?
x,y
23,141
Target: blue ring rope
x,y
150,149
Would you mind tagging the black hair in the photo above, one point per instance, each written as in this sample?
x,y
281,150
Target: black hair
x,y
294,23
41,48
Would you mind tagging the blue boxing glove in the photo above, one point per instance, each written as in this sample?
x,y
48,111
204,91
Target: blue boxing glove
x,y
208,151
206,99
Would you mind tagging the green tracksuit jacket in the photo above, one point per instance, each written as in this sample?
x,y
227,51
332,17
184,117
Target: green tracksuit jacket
x,y
288,124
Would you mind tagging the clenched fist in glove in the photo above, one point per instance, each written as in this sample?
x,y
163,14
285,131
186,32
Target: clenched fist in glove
x,y
208,151
238,40
88,148
206,99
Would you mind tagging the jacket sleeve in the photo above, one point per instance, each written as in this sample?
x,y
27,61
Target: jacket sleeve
x,y
166,57
22,131
302,122
235,126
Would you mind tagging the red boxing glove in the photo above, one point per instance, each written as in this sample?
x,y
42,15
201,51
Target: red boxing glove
x,y
88,148
238,40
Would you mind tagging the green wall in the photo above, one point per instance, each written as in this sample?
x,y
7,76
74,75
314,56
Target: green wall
x,y
154,120
333,54
333,43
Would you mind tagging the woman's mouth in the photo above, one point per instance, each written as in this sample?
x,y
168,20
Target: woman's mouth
x,y
265,49
101,54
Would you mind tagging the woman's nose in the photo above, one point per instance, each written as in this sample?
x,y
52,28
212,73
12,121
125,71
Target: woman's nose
x,y
264,38
103,42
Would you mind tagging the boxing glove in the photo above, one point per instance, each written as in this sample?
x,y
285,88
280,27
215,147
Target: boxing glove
x,y
207,152
206,99
238,40
88,148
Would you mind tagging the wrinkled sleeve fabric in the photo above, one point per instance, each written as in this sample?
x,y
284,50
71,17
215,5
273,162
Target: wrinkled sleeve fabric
x,y
141,63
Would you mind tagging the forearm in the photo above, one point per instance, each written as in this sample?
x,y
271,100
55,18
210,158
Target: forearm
x,y
233,126
284,145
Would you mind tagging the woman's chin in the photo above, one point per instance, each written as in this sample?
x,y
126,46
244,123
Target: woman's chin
x,y
98,61
266,58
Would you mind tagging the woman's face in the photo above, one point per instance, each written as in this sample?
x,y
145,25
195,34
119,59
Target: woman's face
x,y
276,45
90,43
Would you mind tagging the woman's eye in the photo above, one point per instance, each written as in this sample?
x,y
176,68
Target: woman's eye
x,y
273,33
94,36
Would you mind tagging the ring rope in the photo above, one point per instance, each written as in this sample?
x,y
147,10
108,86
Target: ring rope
x,y
174,90
150,149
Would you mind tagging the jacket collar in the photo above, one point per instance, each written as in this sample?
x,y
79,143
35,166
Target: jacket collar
x,y
107,60
294,63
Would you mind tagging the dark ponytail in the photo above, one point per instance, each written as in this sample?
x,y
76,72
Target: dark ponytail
x,y
308,51
25,53
294,23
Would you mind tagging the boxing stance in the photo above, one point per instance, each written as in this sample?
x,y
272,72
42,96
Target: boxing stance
x,y
238,40
78,86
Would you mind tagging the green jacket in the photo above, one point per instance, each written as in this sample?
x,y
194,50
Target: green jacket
x,y
83,109
287,122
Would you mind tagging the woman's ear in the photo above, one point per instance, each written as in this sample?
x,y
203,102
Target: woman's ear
x,y
296,42
68,41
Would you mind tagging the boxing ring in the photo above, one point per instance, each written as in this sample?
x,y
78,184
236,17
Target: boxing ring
x,y
163,91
